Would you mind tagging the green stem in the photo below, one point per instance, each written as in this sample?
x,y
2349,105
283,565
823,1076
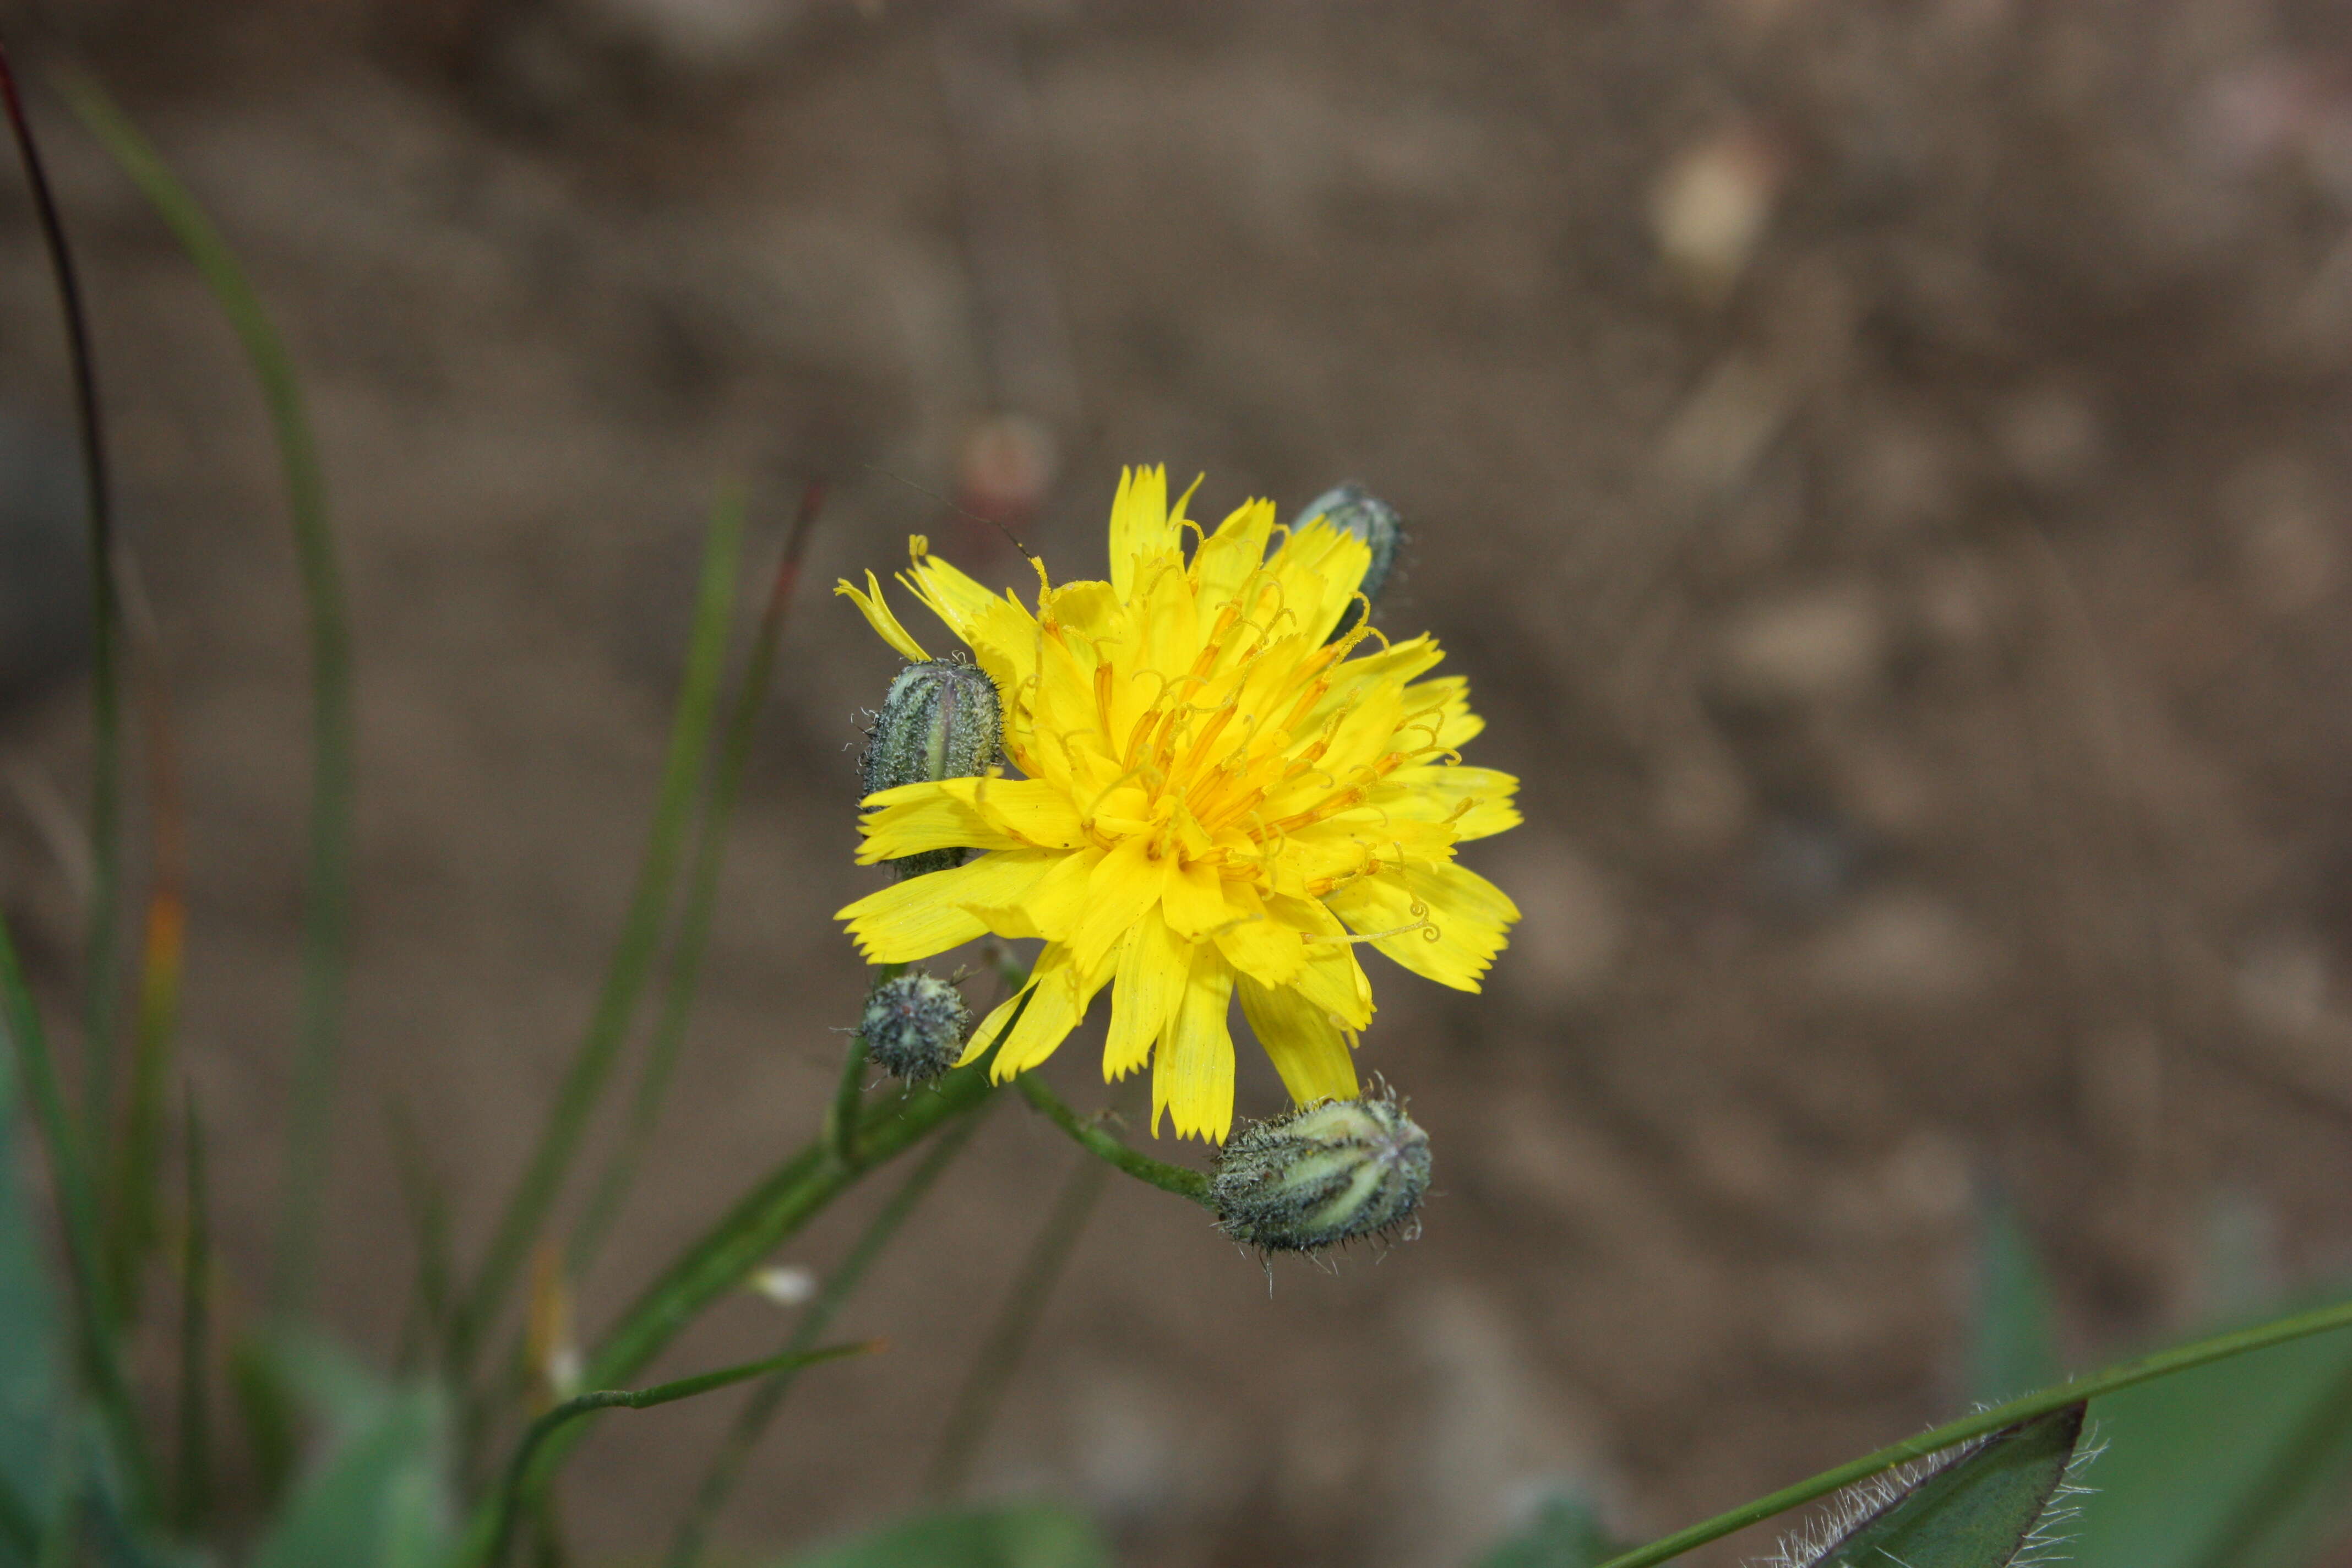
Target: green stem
x,y
633,955
2114,1379
841,1117
1168,1178
541,1430
1008,1338
195,1476
726,1253
693,941
326,912
104,933
78,1199
752,1421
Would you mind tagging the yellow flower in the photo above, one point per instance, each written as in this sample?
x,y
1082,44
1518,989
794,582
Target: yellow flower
x,y
1219,801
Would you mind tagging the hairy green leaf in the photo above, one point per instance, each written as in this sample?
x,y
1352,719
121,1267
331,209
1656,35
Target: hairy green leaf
x,y
1983,1508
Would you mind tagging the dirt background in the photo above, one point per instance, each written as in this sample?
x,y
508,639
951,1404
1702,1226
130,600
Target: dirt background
x,y
1882,467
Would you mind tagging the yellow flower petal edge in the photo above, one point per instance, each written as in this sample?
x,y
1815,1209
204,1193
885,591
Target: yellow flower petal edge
x,y
1220,804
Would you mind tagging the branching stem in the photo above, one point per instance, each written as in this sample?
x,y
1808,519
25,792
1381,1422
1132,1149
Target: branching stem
x,y
1168,1178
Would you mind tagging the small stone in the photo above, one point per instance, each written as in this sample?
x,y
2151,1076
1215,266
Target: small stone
x,y
1826,643
1710,209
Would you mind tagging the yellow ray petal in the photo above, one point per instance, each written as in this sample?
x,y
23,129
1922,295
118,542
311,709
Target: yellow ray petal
x,y
1140,523
1123,884
1050,905
1232,553
878,616
975,812
1152,968
1195,900
1192,1072
1256,943
924,915
1319,569
1448,921
949,593
1308,1048
1476,802
1332,980
1058,1000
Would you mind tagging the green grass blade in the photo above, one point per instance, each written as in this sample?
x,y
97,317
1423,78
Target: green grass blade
x,y
2015,1348
103,931
724,1256
326,912
752,1421
1016,1322
427,1203
633,955
134,1201
193,1477
78,1204
750,700
510,1493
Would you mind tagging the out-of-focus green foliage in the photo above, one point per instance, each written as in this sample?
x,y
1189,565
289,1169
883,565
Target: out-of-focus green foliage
x,y
2015,1352
377,1494
2241,1464
1035,1535
30,1351
1565,1533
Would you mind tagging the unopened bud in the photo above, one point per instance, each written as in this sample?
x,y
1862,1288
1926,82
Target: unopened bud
x,y
915,1026
1317,1177
942,720
1351,509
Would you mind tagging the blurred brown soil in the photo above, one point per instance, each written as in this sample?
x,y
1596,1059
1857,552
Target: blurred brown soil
x,y
1883,469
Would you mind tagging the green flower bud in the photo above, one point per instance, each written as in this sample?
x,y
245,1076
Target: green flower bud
x,y
942,720
1352,509
915,1026
1317,1177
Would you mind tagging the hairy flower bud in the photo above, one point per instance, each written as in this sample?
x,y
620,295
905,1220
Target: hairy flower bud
x,y
1317,1177
942,720
915,1026
1352,509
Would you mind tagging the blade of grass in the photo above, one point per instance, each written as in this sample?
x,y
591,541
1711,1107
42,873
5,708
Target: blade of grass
x,y
2114,1380
750,700
633,953
136,1198
194,1475
325,912
103,930
752,1421
427,1203
510,1494
85,1243
1000,1355
725,1255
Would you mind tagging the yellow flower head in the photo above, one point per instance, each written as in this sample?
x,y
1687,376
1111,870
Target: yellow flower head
x,y
1219,799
